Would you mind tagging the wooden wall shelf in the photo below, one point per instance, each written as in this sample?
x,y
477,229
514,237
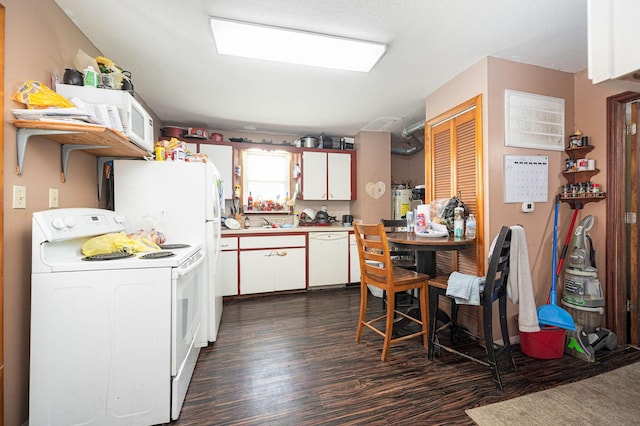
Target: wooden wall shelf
x,y
579,202
578,152
579,176
95,140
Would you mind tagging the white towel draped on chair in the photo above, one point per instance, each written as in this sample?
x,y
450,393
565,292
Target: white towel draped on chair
x,y
519,285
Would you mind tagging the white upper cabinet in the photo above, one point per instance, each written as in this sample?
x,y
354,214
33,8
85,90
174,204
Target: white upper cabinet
x,y
326,176
338,176
314,175
612,38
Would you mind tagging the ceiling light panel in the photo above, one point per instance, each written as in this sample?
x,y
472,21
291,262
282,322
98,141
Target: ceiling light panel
x,y
256,41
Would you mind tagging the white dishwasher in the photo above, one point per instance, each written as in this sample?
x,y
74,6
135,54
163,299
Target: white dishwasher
x,y
328,258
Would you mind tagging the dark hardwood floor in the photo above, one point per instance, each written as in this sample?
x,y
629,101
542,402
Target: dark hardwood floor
x,y
292,359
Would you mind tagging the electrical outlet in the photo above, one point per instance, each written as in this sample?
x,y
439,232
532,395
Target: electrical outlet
x,y
19,197
53,198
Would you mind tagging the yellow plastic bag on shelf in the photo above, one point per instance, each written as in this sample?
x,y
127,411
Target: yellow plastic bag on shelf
x,y
35,94
116,242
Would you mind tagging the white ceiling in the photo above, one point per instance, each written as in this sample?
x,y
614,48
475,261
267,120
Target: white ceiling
x,y
168,47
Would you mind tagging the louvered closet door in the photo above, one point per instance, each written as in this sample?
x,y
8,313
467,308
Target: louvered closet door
x,y
453,164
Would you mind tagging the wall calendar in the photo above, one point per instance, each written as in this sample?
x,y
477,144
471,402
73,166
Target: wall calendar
x,y
526,178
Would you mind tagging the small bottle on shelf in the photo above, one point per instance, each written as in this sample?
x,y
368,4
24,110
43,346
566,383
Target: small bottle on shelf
x,y
458,222
250,202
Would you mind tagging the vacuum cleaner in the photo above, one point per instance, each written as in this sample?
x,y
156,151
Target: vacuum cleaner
x,y
583,298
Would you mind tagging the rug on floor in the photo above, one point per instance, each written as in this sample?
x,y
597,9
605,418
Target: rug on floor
x,y
609,398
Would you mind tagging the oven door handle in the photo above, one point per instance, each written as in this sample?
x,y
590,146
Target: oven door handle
x,y
184,271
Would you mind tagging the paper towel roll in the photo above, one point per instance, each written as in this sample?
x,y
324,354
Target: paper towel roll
x,y
425,209
423,217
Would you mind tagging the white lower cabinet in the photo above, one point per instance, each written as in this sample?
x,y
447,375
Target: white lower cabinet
x,y
354,260
227,266
272,263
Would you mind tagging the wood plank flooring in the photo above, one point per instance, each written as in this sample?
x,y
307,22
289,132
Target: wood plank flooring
x,y
292,359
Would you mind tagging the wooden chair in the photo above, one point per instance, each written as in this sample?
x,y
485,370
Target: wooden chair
x,y
403,258
495,291
376,269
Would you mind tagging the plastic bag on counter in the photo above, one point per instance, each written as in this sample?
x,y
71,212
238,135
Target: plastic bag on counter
x,y
154,235
445,209
117,242
35,94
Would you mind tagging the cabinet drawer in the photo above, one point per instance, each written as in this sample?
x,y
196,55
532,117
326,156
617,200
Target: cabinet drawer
x,y
272,241
228,243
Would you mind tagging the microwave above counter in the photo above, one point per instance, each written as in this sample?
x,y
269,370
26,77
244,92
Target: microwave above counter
x,y
132,119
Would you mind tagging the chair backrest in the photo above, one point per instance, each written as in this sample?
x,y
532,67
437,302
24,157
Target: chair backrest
x,y
375,259
394,225
498,273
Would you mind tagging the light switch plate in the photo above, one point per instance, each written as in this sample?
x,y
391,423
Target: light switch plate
x,y
53,198
19,197
528,206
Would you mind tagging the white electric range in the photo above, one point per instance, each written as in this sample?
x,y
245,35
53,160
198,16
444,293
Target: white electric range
x,y
112,341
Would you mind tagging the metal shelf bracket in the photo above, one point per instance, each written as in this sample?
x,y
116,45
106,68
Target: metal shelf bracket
x,y
23,135
66,150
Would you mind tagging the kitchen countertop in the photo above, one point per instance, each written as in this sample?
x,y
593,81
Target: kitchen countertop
x,y
260,230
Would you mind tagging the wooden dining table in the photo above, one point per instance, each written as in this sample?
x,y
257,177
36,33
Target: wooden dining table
x,y
426,247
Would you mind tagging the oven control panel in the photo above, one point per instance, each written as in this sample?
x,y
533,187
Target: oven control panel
x,y
65,224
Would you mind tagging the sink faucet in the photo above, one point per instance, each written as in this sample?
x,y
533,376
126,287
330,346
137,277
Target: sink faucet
x,y
266,221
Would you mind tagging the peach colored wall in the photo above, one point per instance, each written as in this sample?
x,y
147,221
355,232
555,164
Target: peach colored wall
x,y
373,166
538,225
490,77
408,168
40,40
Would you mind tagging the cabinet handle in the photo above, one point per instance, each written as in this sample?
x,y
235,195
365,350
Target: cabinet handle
x,y
276,253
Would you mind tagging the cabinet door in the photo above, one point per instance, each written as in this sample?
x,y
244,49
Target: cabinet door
x,y
314,175
227,271
256,275
339,176
612,38
289,269
222,157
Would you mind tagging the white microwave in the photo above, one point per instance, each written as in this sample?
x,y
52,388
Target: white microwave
x,y
137,123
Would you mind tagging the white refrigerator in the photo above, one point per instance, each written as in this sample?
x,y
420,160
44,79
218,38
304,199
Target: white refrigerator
x,y
184,201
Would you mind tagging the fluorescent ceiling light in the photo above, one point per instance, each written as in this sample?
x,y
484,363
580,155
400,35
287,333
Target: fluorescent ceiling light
x,y
256,41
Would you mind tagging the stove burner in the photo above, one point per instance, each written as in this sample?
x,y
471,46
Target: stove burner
x,y
173,246
157,255
108,256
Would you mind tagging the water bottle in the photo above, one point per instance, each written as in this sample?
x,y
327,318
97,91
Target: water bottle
x,y
410,221
471,226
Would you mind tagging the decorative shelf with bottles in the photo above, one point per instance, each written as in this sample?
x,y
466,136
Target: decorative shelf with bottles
x,y
579,189
100,141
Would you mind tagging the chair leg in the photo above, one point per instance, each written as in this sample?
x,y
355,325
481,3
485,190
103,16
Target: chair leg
x,y
424,314
363,310
433,309
490,349
388,330
453,328
505,332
